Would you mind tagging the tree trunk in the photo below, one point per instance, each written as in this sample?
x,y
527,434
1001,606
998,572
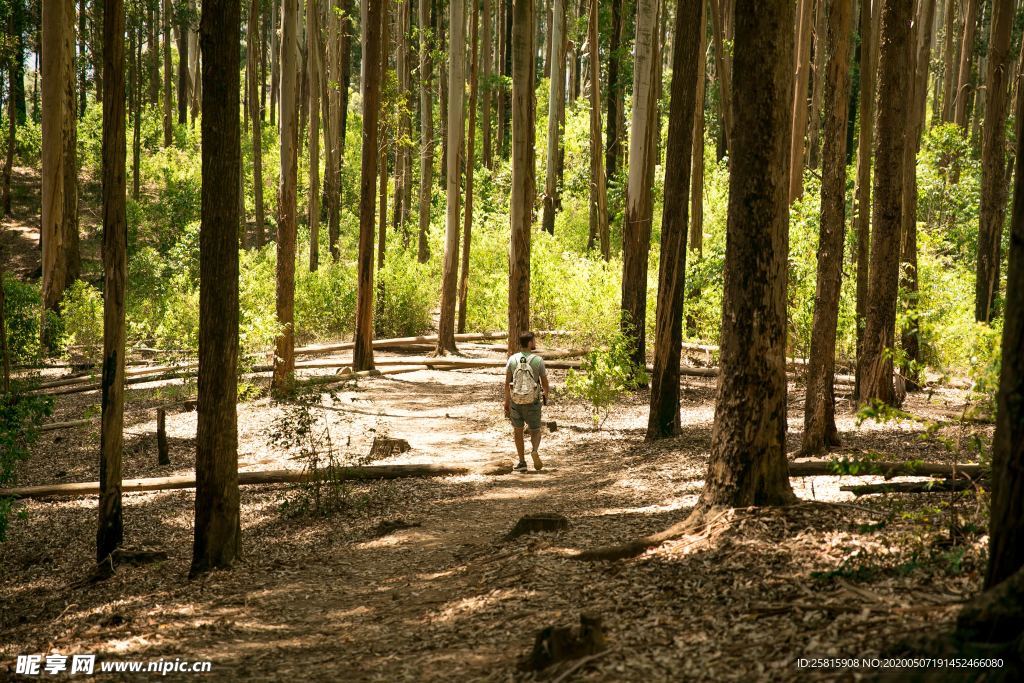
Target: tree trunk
x,y
426,133
255,104
799,105
664,414
818,86
59,233
330,84
723,68
284,356
486,56
183,79
636,228
598,181
556,98
963,81
371,27
523,107
469,145
217,519
195,78
110,532
12,140
993,162
442,113
137,114
819,413
876,362
1006,526
748,441
313,39
455,132
696,242
165,19
613,146
948,97
870,23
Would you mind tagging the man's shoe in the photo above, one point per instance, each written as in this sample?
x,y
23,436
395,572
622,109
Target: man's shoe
x,y
520,467
537,464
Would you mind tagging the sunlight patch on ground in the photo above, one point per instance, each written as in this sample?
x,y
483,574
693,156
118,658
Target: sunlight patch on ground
x,y
510,493
401,538
669,506
465,607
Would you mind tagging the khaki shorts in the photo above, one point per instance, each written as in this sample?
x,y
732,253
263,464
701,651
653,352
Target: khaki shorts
x,y
525,413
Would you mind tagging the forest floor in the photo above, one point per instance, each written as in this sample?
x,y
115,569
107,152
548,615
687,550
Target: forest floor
x,y
338,597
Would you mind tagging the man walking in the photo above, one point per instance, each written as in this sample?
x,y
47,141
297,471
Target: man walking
x,y
526,389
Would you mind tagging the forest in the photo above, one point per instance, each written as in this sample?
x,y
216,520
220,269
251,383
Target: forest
x,y
753,269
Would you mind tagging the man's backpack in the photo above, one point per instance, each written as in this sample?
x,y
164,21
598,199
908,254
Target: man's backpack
x,y
525,389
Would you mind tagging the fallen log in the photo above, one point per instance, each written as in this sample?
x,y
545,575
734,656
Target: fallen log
x,y
863,468
397,342
188,481
939,486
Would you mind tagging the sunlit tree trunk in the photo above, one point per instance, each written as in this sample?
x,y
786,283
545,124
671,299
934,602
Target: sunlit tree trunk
x,y
183,75
110,532
820,431
523,107
275,59
696,241
195,78
165,18
257,126
331,101
486,60
217,520
556,98
284,357
469,145
636,227
426,132
663,419
949,32
748,441
799,104
963,81
818,86
598,182
876,361
137,117
313,65
456,92
723,68
993,162
613,146
371,27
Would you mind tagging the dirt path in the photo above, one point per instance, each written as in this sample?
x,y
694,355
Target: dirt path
x,y
450,599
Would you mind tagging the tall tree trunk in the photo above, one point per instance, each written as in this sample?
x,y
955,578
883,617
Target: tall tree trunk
x,y
59,233
426,133
664,414
613,146
444,49
404,132
748,441
195,78
818,86
696,242
165,18
456,92
799,105
499,70
723,68
183,79
636,228
523,108
876,362
1006,525
948,96
137,116
870,26
331,77
255,104
110,532
556,98
963,81
371,27
469,145
284,356
486,53
820,431
217,520
275,59
313,39
12,138
598,181
993,162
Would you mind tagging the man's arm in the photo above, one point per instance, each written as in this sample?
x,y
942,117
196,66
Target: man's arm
x,y
544,381
507,391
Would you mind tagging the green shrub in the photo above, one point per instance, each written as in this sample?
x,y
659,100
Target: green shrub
x,y
21,415
22,305
606,374
82,316
409,294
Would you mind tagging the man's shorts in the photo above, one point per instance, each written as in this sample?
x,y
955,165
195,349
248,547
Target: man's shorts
x,y
525,413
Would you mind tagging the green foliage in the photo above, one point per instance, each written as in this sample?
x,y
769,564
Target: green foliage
x,y
22,305
82,316
606,374
405,298
21,415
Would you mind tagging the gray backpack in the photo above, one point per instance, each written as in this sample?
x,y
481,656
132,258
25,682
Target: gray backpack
x,y
524,385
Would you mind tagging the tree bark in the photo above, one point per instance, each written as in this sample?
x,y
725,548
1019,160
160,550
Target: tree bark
x,y
963,81
469,145
183,75
663,419
723,67
12,138
371,26
636,229
486,56
284,356
696,241
993,162
275,58
1006,526
876,362
255,105
598,180
818,86
331,78
748,441
948,97
110,532
613,146
313,65
523,106
217,520
556,100
137,115
165,18
426,132
799,104
820,431
455,132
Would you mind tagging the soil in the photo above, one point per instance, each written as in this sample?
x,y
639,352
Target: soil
x,y
416,580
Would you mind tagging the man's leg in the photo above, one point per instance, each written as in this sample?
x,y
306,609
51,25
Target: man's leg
x,y
535,434
517,435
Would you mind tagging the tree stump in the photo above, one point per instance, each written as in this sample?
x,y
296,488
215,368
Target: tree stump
x,y
540,521
555,644
384,447
163,458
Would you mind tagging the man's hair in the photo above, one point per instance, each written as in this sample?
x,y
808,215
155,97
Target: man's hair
x,y
524,339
